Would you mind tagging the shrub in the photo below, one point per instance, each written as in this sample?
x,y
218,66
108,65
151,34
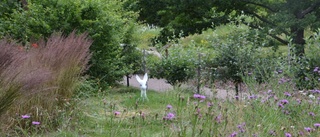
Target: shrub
x,y
130,56
235,53
178,67
306,69
106,22
264,67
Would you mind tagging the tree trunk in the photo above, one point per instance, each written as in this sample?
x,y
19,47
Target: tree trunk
x,y
298,40
199,74
237,88
128,77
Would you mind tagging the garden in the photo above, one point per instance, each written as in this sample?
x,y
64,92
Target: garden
x,y
62,65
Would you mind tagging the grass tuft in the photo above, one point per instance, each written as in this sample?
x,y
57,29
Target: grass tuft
x,y
45,76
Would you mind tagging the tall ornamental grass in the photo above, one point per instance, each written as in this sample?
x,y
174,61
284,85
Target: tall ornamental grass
x,y
38,80
8,91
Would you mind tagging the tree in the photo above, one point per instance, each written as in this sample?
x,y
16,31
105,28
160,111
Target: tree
x,y
275,18
281,19
176,16
235,53
147,9
130,55
177,67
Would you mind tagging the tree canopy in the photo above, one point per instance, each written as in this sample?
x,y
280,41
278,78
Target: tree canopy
x,y
277,19
287,17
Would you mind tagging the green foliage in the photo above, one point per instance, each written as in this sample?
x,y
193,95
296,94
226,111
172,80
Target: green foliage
x,y
305,68
278,18
7,97
148,10
108,24
175,17
131,57
274,19
177,67
87,88
106,63
235,53
264,67
145,34
313,48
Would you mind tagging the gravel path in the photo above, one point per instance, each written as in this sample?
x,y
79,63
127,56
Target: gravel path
x,y
154,84
160,85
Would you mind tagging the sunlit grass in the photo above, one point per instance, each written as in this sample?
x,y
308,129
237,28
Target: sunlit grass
x,y
145,34
260,116
136,117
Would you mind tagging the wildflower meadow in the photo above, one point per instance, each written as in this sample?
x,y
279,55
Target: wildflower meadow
x,y
47,95
179,113
230,68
